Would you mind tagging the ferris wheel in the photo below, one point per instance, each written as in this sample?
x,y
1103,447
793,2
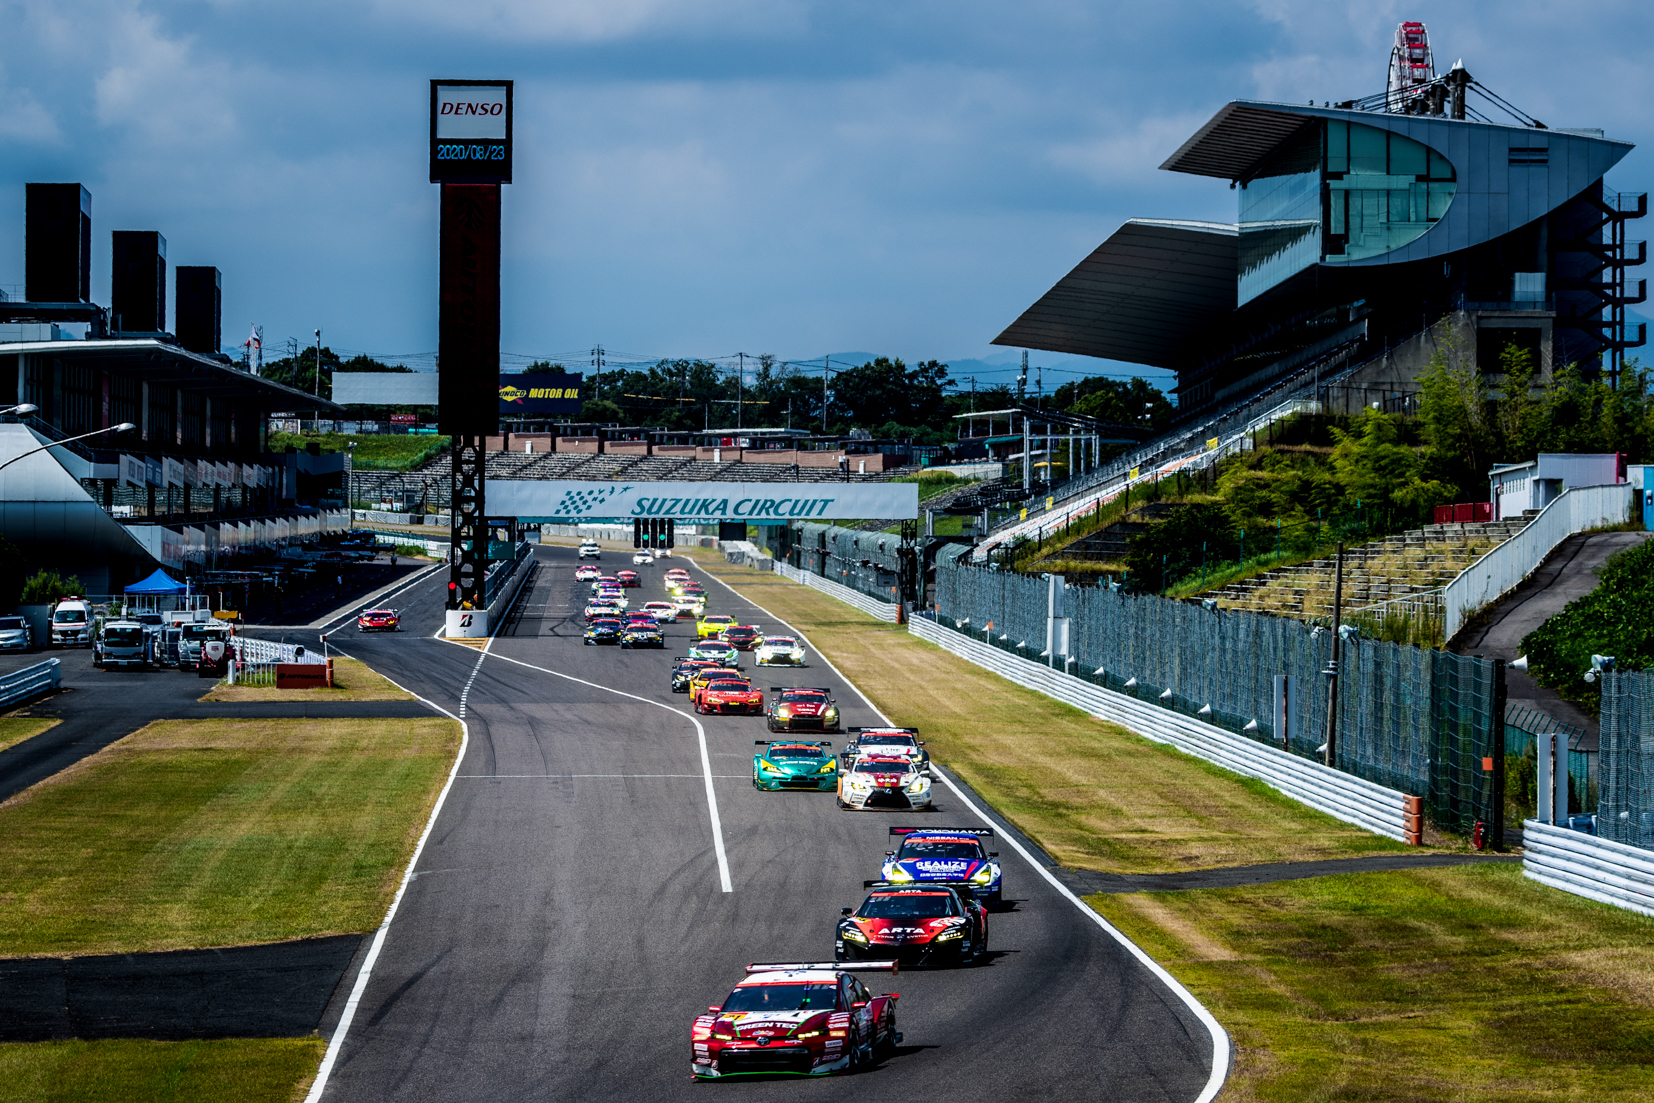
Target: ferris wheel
x,y
1412,68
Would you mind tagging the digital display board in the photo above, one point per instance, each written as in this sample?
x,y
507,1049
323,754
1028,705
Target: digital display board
x,y
471,131
535,395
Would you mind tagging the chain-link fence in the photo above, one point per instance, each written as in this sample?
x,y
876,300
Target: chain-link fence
x,y
1428,723
867,562
1625,792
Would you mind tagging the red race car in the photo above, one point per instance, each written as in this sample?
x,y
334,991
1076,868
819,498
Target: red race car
x,y
802,709
810,1019
743,637
726,695
627,578
935,923
379,620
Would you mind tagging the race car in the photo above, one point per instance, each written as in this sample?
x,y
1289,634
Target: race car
x,y
801,709
627,578
664,611
791,764
698,680
614,595
806,1018
603,580
930,854
743,637
779,651
642,558
599,609
731,694
589,549
886,742
641,634
676,574
716,649
686,669
604,630
379,620
883,782
587,573
713,624
915,924
692,605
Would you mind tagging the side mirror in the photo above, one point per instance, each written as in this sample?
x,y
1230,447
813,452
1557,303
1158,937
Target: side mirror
x,y
921,742
715,1009
993,853
890,854
859,1003
891,995
847,911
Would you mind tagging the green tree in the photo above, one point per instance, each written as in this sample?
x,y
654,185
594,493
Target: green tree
x,y
1191,536
1454,420
544,367
1126,402
46,586
1376,470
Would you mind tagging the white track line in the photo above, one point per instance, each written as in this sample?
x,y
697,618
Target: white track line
x,y
337,1042
706,760
1220,1037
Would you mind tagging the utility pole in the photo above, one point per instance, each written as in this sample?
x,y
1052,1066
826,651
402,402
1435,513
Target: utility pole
x,y
972,378
1337,652
740,385
318,363
597,366
826,369
1022,380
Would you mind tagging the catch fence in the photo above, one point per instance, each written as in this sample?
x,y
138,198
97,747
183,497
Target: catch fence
x,y
1625,794
1428,723
866,562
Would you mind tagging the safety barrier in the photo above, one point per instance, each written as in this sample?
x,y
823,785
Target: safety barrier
x,y
890,613
251,650
1597,869
1383,811
1503,569
30,681
503,594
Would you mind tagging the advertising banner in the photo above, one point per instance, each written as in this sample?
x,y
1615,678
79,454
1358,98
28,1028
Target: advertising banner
x,y
153,472
755,503
133,471
471,131
535,395
175,473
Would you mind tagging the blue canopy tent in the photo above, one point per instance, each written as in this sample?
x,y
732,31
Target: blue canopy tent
x,y
157,584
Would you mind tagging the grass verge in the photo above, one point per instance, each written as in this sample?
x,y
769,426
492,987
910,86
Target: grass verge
x,y
1467,983
353,680
249,1070
373,451
198,833
15,729
1093,794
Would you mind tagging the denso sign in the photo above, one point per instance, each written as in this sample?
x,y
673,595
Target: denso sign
x,y
471,131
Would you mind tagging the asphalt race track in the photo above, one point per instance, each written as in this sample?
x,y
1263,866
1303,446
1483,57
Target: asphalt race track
x,y
568,918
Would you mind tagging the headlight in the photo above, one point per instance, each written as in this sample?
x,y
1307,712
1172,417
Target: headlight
x,y
982,876
918,786
724,1037
831,713
953,932
808,1034
766,764
859,782
898,875
828,767
784,711
853,935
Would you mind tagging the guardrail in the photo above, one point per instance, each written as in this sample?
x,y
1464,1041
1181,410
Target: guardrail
x,y
250,650
30,681
1378,809
889,612
1597,869
1503,569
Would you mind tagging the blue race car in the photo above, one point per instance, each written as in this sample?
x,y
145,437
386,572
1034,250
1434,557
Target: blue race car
x,y
952,854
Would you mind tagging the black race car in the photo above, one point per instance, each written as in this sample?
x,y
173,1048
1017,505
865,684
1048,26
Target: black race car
x,y
604,630
638,634
685,670
938,923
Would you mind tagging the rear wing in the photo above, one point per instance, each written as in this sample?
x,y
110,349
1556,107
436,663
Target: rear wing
x,y
794,743
835,966
886,729
963,888
979,832
807,689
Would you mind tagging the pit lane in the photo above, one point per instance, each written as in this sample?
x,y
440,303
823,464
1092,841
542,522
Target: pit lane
x,y
568,919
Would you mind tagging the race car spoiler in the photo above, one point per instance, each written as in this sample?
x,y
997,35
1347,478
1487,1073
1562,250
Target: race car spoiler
x,y
980,832
828,743
886,728
835,966
963,888
809,689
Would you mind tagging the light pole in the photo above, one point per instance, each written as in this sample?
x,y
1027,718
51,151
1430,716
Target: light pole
x,y
22,409
121,428
318,363
350,477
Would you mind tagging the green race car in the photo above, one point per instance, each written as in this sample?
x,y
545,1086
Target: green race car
x,y
794,764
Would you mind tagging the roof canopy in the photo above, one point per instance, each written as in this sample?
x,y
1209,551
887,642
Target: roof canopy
x,y
1138,297
158,583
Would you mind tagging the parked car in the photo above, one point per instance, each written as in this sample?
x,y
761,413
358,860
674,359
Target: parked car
x,y
121,643
72,623
15,634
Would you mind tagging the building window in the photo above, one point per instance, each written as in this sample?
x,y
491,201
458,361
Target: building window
x,y
125,394
162,429
1280,215
194,425
1382,190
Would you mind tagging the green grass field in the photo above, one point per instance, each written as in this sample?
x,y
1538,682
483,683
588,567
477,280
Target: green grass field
x,y
353,680
15,729
219,833
374,451
1469,984
246,1070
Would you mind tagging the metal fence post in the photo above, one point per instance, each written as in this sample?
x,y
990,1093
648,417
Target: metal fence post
x,y
1498,749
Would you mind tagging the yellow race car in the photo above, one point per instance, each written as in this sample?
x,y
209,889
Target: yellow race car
x,y
713,624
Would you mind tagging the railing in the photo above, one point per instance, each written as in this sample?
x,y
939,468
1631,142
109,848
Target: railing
x,y
251,650
1503,569
889,612
502,571
30,681
1597,869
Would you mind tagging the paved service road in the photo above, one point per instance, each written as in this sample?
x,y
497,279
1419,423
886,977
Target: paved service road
x,y
568,917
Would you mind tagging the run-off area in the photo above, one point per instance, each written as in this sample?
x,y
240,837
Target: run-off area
x,y
567,919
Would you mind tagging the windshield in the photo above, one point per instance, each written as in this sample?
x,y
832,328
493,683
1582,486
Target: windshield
x,y
200,631
805,698
886,741
881,767
782,997
729,687
778,641
10,622
125,637
908,905
69,616
606,625
932,848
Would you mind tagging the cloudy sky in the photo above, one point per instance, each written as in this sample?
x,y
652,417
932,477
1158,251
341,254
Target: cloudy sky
x,y
706,177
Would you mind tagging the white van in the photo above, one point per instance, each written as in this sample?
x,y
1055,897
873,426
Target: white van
x,y
72,623
590,550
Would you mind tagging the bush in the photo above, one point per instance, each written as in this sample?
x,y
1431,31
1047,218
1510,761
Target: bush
x,y
45,587
1192,537
1612,620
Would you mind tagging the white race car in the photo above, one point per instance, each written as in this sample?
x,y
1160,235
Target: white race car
x,y
642,558
665,612
779,651
879,781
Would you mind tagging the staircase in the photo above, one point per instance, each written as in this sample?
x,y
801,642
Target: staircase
x,y
1411,563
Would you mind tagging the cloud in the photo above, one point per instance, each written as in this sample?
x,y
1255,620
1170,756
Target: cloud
x,y
160,90
591,21
23,118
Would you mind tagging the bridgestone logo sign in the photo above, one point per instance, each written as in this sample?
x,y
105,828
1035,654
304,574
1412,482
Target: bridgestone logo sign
x,y
756,503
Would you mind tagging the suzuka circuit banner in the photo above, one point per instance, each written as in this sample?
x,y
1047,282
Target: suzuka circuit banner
x,y
756,503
